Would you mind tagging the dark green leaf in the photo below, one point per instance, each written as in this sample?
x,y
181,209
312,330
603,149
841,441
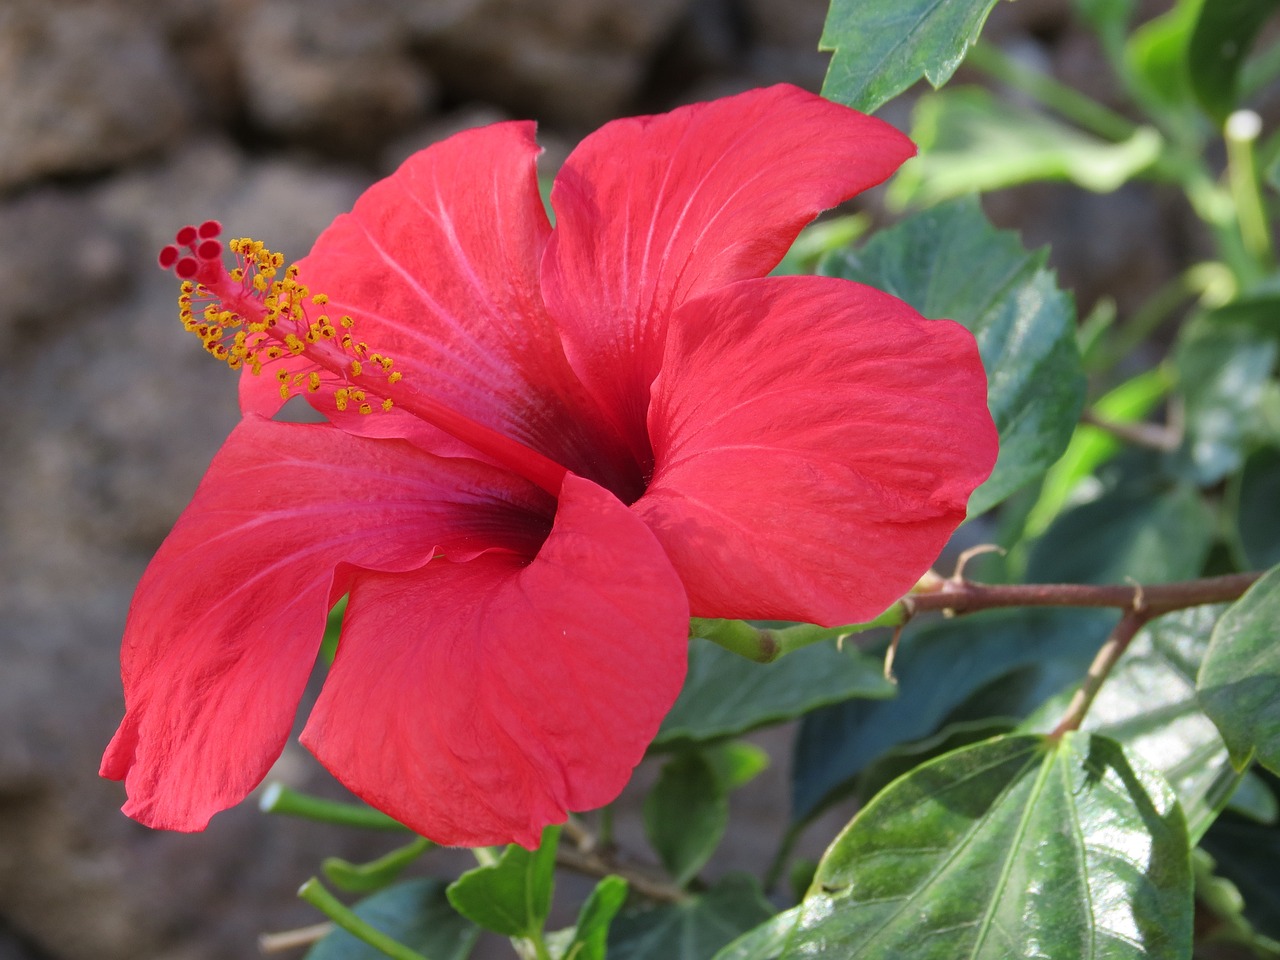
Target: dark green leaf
x,y
1239,680
591,934
1149,706
692,930
685,814
1219,897
512,896
970,141
1257,520
725,695
1136,532
1223,368
949,262
939,667
416,913
881,47
1018,847
1223,34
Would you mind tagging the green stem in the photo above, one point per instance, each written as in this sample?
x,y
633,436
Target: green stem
x,y
314,893
764,644
1071,104
1241,132
277,798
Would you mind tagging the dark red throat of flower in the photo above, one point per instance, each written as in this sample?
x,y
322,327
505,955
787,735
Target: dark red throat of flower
x,y
253,316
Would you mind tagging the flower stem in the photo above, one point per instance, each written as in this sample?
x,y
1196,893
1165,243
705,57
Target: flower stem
x,y
314,893
277,798
766,644
1241,132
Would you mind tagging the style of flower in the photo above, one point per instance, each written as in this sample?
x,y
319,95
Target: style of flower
x,y
547,449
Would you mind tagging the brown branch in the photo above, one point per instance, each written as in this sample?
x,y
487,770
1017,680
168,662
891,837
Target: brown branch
x,y
1153,436
1117,643
965,596
594,865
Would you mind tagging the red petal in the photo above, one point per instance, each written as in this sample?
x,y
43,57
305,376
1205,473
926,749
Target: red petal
x,y
225,625
651,211
477,702
438,265
816,443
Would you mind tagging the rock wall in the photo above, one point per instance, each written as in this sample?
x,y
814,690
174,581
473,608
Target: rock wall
x,y
120,120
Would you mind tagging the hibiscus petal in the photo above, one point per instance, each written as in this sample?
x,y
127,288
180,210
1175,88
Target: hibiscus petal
x,y
651,211
438,266
816,442
225,625
477,702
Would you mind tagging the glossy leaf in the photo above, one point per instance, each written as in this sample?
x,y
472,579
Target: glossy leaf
x,y
591,933
512,896
766,941
971,141
1223,34
881,47
416,913
685,814
1018,847
725,695
939,667
1223,369
1239,682
950,262
693,929
1149,706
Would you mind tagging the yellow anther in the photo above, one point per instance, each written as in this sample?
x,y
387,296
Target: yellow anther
x,y
295,345
366,409
386,405
320,299
282,376
313,382
340,398
395,377
347,322
356,368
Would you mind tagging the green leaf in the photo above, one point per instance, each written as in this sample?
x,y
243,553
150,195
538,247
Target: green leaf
x,y
1157,60
685,814
591,934
881,47
1223,34
970,142
1149,706
1257,521
512,896
940,666
1018,847
1221,898
736,763
416,913
692,930
725,695
1239,682
1223,369
1137,531
949,262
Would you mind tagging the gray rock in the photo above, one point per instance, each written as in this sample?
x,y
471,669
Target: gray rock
x,y
83,87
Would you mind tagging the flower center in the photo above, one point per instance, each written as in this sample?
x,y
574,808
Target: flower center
x,y
253,315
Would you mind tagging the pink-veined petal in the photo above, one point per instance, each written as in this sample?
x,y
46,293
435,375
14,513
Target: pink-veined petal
x,y
477,702
227,619
816,443
651,211
438,265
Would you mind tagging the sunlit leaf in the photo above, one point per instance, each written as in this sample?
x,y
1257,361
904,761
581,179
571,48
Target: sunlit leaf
x,y
1019,847
881,47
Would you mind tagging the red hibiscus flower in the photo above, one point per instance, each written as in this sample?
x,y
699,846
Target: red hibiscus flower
x,y
586,433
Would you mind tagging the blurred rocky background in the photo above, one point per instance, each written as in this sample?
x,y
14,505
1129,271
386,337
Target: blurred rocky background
x,y
120,120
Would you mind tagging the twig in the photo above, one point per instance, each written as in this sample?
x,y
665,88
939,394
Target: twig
x,y
966,596
1154,436
1117,643
594,865
292,939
